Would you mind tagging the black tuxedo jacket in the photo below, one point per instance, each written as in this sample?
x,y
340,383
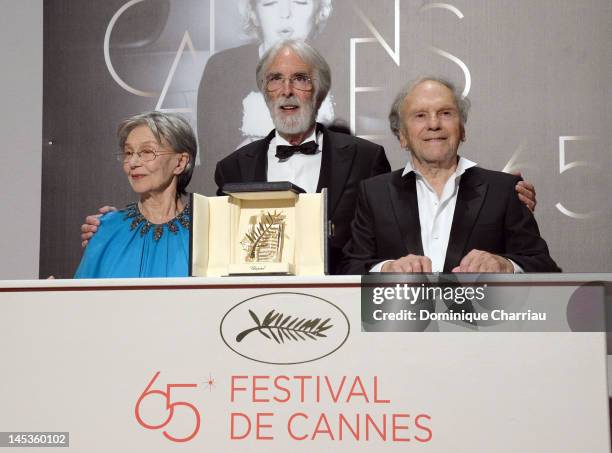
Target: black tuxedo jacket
x,y
345,162
488,216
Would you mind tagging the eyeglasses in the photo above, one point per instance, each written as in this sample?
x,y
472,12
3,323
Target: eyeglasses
x,y
300,82
144,155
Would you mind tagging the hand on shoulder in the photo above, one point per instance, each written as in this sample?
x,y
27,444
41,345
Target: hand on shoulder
x,y
92,222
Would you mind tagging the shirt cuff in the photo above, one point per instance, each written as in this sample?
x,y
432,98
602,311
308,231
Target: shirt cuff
x,y
378,267
517,269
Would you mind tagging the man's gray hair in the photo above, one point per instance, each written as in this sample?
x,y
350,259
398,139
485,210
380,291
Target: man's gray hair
x,y
168,126
310,56
323,9
395,115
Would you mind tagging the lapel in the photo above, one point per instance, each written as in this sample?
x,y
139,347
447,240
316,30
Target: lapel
x,y
336,164
406,209
472,191
254,162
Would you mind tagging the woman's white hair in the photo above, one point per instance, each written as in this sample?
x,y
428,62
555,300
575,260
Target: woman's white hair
x,y
173,128
247,12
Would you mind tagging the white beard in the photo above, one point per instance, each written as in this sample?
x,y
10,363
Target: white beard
x,y
292,124
257,121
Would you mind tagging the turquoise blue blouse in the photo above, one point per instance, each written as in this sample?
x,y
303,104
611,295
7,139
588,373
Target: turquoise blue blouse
x,y
128,245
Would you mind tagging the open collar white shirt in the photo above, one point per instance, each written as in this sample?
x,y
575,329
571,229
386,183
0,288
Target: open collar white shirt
x,y
300,169
436,213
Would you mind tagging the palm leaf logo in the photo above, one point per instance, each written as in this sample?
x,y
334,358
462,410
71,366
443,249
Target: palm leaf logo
x,y
278,327
264,237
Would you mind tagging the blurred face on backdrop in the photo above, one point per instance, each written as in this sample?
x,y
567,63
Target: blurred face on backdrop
x,y
430,124
290,93
284,19
151,167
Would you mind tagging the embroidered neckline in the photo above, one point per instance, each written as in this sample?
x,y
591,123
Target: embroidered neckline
x,y
132,212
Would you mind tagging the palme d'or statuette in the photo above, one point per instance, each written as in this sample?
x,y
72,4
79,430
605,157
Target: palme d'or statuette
x,y
264,240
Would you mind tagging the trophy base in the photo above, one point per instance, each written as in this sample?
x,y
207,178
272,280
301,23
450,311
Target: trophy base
x,y
261,268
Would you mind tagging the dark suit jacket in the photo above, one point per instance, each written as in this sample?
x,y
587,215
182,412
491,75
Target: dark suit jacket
x,y
488,216
345,162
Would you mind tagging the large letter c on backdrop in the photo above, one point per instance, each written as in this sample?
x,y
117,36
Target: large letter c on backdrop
x,y
107,59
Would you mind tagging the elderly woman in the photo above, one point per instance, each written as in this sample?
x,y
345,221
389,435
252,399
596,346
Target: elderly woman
x,y
149,238
231,111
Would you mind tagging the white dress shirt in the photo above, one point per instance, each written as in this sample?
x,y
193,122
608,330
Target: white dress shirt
x,y
300,169
436,214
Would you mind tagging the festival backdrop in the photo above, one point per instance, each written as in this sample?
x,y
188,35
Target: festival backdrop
x,y
537,75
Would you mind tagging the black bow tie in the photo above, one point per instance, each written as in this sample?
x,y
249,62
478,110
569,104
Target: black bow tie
x,y
285,152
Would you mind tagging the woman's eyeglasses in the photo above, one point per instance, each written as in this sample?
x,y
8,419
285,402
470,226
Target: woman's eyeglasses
x,y
144,155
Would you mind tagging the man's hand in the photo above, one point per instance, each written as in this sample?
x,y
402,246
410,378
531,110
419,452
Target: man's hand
x,y
408,263
480,261
526,193
91,224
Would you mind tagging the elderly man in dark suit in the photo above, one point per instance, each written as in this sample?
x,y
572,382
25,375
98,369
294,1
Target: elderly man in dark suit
x,y
295,79
441,212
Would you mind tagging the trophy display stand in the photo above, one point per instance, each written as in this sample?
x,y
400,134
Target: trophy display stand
x,y
259,229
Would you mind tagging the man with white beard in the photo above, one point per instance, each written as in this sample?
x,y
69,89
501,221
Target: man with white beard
x,y
295,79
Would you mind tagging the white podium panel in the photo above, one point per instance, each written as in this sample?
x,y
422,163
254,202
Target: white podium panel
x,y
281,364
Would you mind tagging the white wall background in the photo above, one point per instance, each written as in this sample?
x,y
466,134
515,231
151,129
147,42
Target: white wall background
x,y
21,57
